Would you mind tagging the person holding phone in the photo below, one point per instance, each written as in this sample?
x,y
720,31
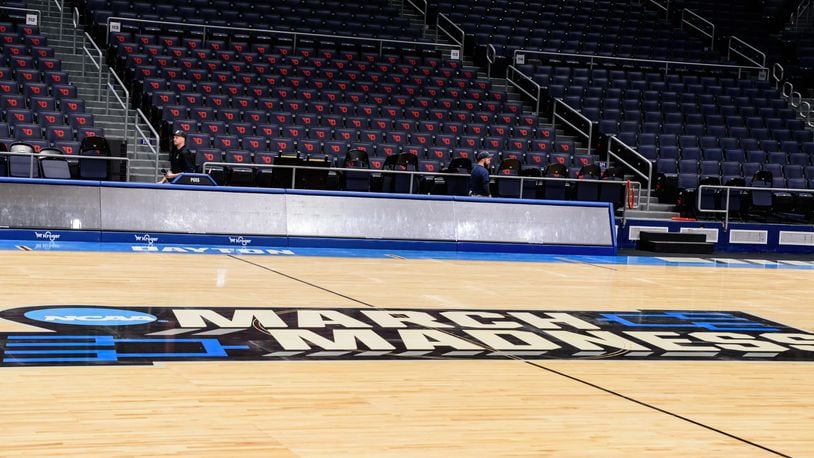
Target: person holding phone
x,y
182,160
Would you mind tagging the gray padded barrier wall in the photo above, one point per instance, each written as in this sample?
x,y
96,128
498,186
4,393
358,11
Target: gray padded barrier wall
x,y
123,207
169,209
42,206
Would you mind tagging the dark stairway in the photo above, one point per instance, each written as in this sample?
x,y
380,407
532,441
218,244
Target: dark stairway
x,y
675,242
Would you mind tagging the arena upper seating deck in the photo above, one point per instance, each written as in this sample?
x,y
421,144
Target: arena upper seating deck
x,y
761,25
374,18
573,26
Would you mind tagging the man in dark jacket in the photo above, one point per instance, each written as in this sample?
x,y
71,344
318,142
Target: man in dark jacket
x,y
182,160
479,179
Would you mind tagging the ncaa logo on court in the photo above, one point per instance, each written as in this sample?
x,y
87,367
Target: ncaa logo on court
x,y
90,316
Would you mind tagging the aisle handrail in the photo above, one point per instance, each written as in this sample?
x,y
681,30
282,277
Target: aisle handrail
x,y
138,132
646,176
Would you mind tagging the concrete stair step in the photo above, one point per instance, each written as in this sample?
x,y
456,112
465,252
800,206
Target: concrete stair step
x,y
652,215
672,242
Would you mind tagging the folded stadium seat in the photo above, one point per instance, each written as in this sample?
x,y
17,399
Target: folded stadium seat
x,y
687,141
418,138
667,166
750,168
388,149
23,166
241,129
470,141
27,132
225,142
334,148
714,154
202,156
803,136
94,169
691,153
202,114
781,135
749,144
769,145
774,123
309,147
282,145
608,126
697,130
541,145
709,168
58,133
536,159
34,89
708,141
240,174
19,116
761,200
735,154
802,159
555,189
588,191
793,171
254,144
355,181
776,170
54,164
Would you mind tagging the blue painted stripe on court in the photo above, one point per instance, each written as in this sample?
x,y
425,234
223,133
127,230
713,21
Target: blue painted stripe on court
x,y
710,261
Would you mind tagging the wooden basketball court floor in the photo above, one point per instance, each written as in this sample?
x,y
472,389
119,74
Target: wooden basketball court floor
x,y
504,407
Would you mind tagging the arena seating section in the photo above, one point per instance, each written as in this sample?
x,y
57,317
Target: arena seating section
x,y
39,105
252,97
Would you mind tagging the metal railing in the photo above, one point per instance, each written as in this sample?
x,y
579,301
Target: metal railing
x,y
806,113
647,176
666,65
795,100
662,6
418,5
204,29
778,73
729,189
34,157
803,9
458,38
138,134
208,167
537,89
741,48
96,63
125,104
75,22
558,116
60,4
701,25
791,96
32,16
491,54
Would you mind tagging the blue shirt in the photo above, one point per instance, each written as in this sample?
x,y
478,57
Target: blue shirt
x,y
479,181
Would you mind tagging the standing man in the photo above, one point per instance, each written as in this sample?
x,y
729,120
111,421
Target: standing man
x,y
182,160
479,179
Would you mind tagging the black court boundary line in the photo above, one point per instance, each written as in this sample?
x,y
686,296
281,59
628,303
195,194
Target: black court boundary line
x,y
302,281
576,261
547,369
